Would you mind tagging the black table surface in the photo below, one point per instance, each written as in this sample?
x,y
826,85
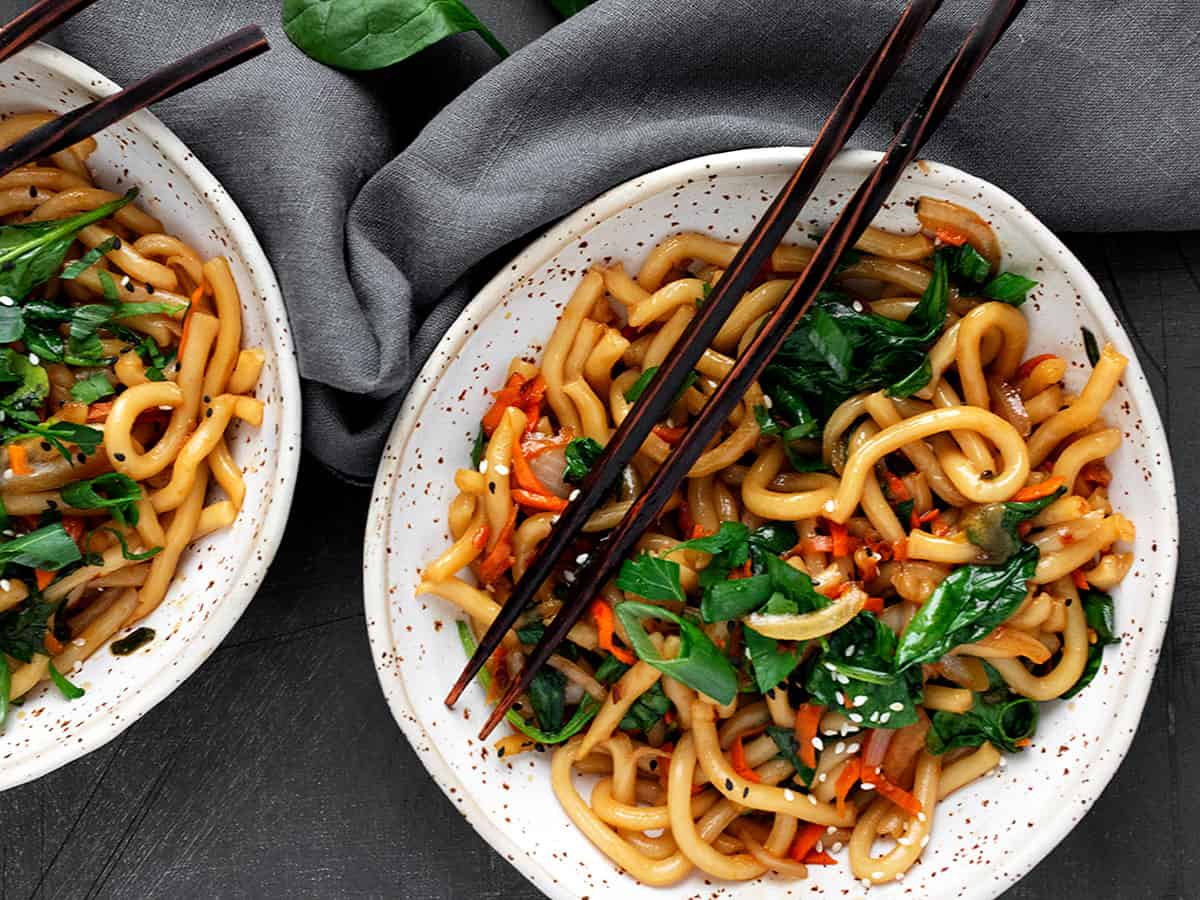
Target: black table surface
x,y
278,771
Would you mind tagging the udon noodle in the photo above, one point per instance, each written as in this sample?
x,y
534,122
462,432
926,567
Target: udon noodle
x,y
121,372
898,547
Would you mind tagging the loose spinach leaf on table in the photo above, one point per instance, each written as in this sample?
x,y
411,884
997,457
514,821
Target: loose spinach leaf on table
x,y
856,671
965,607
1098,609
1001,718
372,34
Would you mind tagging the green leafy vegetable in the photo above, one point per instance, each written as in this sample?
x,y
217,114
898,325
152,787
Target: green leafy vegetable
x,y
735,598
1098,609
967,262
635,390
68,690
58,434
49,548
651,577
699,664
531,632
111,491
125,552
33,387
1090,346
647,710
23,629
373,34
1009,288
993,527
12,322
772,661
789,749
156,362
966,606
547,695
89,259
478,449
581,455
93,388
727,536
1001,718
584,713
857,669
33,253
5,688
913,381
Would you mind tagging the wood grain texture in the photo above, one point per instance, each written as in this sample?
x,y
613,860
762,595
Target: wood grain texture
x,y
277,770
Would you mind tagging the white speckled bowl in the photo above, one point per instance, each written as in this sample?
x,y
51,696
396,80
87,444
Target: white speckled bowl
x,y
977,851
219,575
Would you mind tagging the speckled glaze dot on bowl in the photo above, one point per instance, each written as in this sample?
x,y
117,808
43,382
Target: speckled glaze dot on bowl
x,y
218,575
977,850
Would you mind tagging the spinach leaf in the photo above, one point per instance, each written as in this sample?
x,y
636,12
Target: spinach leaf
x,y
610,670
651,577
699,664
965,607
584,713
795,586
789,749
1090,346
913,381
68,690
769,540
771,660
857,671
125,552
967,262
531,632
476,451
735,598
547,695
1001,718
12,322
1009,288
373,34
89,259
635,390
993,527
93,388
33,253
112,491
23,629
646,710
581,455
34,384
155,362
817,367
728,536
49,548
1098,609
61,435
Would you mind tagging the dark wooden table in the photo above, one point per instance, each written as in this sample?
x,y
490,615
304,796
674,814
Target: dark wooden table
x,y
277,770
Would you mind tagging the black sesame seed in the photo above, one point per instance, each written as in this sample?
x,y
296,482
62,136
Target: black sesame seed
x,y
116,244
46,446
499,753
654,765
745,792
33,190
119,457
491,487
208,413
129,286
517,706
53,504
207,399
149,289
82,457
729,784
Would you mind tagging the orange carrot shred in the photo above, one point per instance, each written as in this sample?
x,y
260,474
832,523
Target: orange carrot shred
x,y
670,435
742,571
481,538
603,614
900,549
73,525
500,557
1038,491
52,644
1096,472
737,756
18,459
896,794
916,521
951,236
805,841
896,487
808,718
819,859
523,474
874,604
819,543
1032,363
842,545
43,578
544,502
845,781
505,397
1080,580
98,412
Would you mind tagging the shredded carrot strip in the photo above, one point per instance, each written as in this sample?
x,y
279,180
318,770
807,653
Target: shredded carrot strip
x,y
896,794
481,537
603,614
52,644
1023,742
900,550
98,412
505,397
187,325
842,543
544,502
43,578
819,859
808,718
916,521
532,392
1038,491
742,571
698,531
670,435
524,475
805,841
874,604
845,781
73,525
951,236
817,544
500,557
737,756
1032,363
1080,580
896,487
18,459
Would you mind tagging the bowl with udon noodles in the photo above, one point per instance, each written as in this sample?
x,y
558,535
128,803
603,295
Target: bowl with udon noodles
x,y
894,633
149,418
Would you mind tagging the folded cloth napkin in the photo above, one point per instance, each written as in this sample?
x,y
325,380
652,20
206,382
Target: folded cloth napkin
x,y
1086,112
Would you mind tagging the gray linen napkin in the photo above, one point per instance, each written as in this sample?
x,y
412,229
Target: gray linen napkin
x,y
1086,112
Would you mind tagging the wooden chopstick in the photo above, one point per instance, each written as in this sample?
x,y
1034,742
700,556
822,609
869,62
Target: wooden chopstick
x,y
850,109
32,24
853,220
171,79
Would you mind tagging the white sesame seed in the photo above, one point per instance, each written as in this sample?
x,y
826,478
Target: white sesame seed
x,y
868,786
829,506
841,699
837,846
79,642
581,558
876,875
831,667
840,748
861,700
569,577
874,717
823,777
850,651
33,359
574,494
896,707
812,799
5,584
921,817
904,841
788,795
501,469
883,719
831,829
8,532
554,520
767,401
483,467
818,743
1003,762
855,717
853,748
924,840
820,846
866,882
6,301
8,473
843,679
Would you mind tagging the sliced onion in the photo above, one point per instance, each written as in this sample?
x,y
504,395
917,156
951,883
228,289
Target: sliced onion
x,y
810,625
549,466
1006,401
876,747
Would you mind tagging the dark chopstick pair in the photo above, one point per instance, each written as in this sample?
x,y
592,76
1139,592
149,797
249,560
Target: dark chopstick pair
x,y
87,120
654,402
